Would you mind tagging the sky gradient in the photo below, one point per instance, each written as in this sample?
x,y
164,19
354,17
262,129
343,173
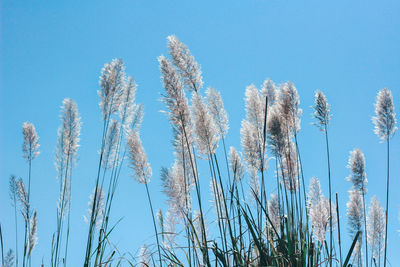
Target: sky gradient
x,y
50,50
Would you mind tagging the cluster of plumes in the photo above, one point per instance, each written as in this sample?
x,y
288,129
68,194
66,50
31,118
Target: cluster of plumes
x,y
385,119
274,213
318,210
185,63
31,145
358,176
355,217
117,93
144,257
236,164
204,126
376,228
138,158
321,111
252,131
177,188
32,240
96,204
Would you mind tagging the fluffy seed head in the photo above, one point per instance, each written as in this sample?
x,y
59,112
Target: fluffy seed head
x,y
357,169
376,227
138,158
32,241
204,126
321,111
236,164
112,81
385,119
276,135
31,145
175,99
274,212
23,199
355,212
144,256
216,106
110,144
269,90
288,102
96,201
127,108
185,63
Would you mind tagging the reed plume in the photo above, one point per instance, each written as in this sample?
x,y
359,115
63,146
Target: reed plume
x,y
269,90
32,241
31,145
236,164
97,205
355,221
144,257
385,127
376,229
112,80
216,107
186,64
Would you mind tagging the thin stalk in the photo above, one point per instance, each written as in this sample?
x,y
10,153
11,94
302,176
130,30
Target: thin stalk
x,y
330,196
365,226
387,199
338,221
154,222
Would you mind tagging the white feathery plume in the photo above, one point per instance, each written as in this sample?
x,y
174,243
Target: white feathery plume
x,y
185,62
23,199
111,143
68,136
318,207
276,135
252,148
198,228
255,109
177,190
183,156
160,220
218,199
98,207
216,107
112,81
31,141
385,119
170,222
128,107
357,169
236,164
65,198
321,111
138,158
32,241
144,256
355,220
288,102
269,90
254,189
274,213
290,166
376,227
175,99
13,186
204,127
137,118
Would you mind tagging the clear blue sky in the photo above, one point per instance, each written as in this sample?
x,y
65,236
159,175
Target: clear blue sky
x,y
55,49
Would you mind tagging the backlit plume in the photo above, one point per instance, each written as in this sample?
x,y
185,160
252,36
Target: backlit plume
x,y
138,159
112,81
385,119
186,64
321,111
216,106
31,141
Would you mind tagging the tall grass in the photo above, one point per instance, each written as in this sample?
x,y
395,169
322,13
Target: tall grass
x,y
264,213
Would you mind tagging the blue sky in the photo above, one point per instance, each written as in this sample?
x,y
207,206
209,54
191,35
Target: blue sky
x,y
55,49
